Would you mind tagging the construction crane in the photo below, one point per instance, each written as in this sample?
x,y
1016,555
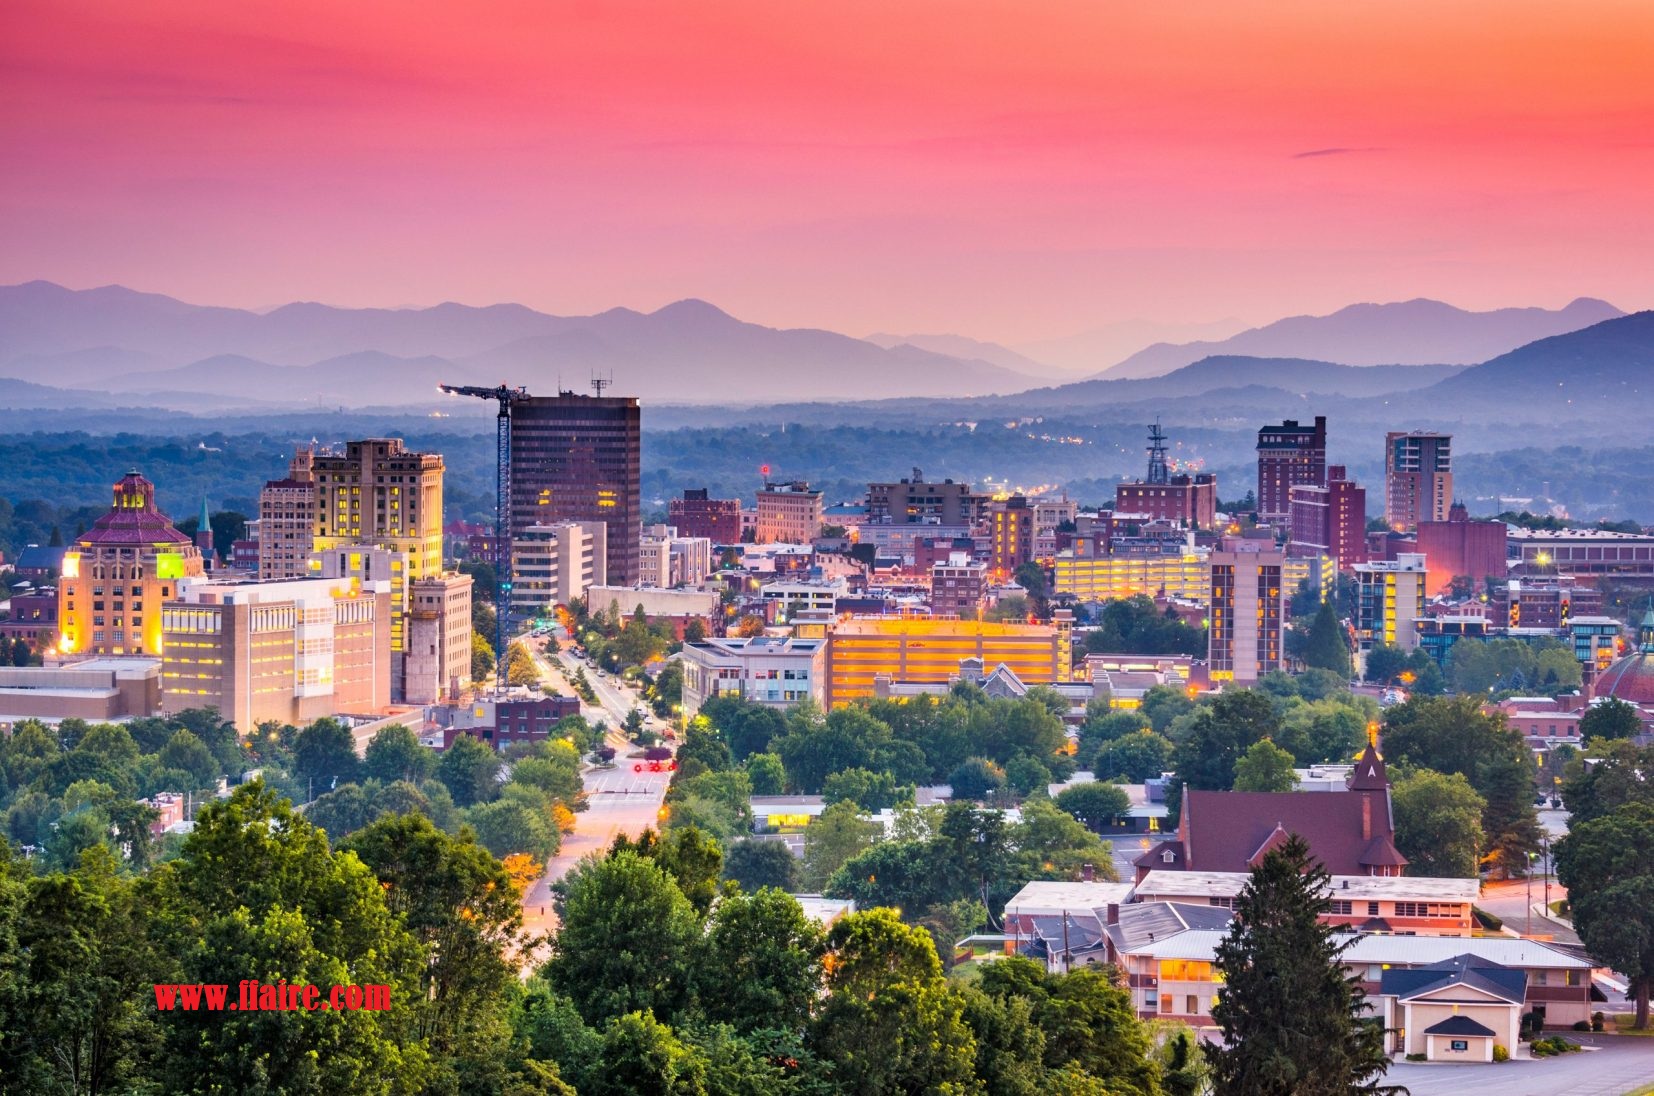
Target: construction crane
x,y
502,516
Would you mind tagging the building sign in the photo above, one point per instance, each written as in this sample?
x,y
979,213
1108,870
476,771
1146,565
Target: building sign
x,y
169,565
1459,1044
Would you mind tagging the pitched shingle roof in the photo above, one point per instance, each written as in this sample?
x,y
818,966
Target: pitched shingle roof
x,y
1461,970
1226,830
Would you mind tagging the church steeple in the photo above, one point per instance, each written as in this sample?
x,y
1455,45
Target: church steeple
x,y
1369,774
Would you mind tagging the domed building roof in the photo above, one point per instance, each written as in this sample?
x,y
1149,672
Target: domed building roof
x,y
1631,679
133,521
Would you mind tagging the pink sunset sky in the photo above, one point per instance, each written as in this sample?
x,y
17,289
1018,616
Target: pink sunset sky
x,y
1010,170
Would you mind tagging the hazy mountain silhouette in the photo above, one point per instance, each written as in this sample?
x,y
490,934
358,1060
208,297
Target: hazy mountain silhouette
x,y
689,350
962,346
1296,375
1607,368
1085,353
1407,333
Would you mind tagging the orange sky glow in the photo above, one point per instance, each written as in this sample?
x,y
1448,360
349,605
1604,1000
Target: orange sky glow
x,y
1010,170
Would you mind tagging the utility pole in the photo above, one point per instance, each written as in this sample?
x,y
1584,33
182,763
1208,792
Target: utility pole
x,y
502,514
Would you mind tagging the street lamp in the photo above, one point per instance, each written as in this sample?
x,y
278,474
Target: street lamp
x,y
1531,857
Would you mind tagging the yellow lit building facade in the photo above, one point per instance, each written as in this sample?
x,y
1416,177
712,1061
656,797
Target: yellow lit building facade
x,y
929,651
117,574
1112,578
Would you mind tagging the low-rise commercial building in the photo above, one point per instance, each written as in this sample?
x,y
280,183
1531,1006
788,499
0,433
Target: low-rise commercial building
x,y
775,671
863,649
1183,574
98,690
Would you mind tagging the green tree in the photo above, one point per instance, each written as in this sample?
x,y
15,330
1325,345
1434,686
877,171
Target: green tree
x,y
256,894
1097,805
640,1054
1265,767
189,754
482,656
768,775
832,838
1607,864
1624,774
626,941
1219,733
78,966
1087,1021
869,791
1052,843
753,864
1610,720
469,770
1438,820
394,753
458,901
341,812
1454,735
889,1024
762,962
1327,648
976,778
1292,1015
1136,757
506,826
1385,663
324,755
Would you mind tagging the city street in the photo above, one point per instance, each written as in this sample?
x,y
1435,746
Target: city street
x,y
1624,1064
619,801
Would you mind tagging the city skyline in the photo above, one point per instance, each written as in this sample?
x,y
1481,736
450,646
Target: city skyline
x,y
1003,173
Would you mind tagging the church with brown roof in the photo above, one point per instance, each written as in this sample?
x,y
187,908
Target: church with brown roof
x,y
1351,832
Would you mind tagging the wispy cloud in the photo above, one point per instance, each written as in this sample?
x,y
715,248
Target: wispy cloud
x,y
1332,152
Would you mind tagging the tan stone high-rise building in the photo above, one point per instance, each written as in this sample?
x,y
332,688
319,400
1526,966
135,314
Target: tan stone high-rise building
x,y
377,493
287,521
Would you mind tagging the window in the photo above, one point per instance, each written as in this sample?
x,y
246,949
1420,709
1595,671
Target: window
x,y
1193,1004
1165,1002
1343,907
1372,909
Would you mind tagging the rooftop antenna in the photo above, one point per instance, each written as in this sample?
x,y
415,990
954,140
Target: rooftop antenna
x,y
600,381
1157,454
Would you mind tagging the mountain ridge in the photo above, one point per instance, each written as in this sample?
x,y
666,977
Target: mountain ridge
x,y
1412,332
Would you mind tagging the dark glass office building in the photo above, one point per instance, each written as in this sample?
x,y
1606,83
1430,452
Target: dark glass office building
x,y
576,458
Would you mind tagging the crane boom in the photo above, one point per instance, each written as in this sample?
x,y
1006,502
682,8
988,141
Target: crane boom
x,y
505,396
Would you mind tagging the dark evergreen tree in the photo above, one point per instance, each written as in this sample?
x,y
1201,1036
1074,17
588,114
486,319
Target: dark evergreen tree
x,y
1327,649
1291,1012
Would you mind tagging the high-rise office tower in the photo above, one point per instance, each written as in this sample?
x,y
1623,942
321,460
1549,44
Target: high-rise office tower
x,y
578,458
1245,638
377,494
1290,454
1330,520
1418,478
